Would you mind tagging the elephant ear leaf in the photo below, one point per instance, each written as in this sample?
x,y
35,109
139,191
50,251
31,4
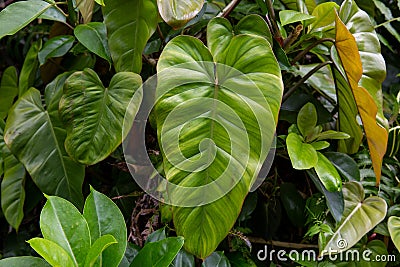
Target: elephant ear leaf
x,y
178,13
94,114
394,230
207,86
36,137
377,136
129,26
359,217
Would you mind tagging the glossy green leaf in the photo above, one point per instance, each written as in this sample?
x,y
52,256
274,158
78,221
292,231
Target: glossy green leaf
x,y
330,134
12,186
254,24
29,68
334,200
158,254
62,223
262,70
178,13
302,155
365,72
8,90
394,230
23,261
93,115
51,252
183,259
320,145
156,236
97,248
346,165
86,9
53,13
93,36
324,15
105,218
129,26
216,259
36,137
56,47
307,119
328,174
291,16
359,217
294,204
19,14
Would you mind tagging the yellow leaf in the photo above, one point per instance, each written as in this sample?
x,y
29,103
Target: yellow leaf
x,y
350,57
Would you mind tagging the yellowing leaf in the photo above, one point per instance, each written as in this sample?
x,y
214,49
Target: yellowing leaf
x,y
377,136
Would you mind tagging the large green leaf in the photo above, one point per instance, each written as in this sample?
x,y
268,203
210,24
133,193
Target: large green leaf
x,y
365,81
130,23
52,252
394,230
94,37
19,14
178,13
359,217
94,115
36,137
8,90
104,218
12,186
158,254
237,93
24,261
63,224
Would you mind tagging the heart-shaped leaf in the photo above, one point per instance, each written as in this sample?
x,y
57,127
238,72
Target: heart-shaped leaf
x,y
97,248
105,218
359,217
158,254
178,13
93,36
62,223
8,90
359,74
36,137
94,115
130,23
201,91
24,261
51,252
302,155
394,230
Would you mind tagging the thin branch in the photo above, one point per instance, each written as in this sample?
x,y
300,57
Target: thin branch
x,y
308,49
302,80
228,9
271,14
259,240
387,22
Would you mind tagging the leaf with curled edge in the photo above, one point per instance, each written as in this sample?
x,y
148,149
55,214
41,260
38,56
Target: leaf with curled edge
x,y
359,217
177,13
377,136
